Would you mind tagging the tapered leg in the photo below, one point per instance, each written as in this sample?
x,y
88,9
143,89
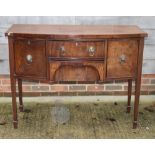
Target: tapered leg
x,y
21,107
136,104
129,96
14,105
138,82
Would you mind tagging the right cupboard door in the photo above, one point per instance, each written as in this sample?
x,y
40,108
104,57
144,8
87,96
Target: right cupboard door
x,y
122,58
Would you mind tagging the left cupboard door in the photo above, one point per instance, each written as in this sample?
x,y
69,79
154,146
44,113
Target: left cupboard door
x,y
30,58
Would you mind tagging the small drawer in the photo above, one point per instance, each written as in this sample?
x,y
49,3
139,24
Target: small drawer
x,y
75,49
30,58
76,71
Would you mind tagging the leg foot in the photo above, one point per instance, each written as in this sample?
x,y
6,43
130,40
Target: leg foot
x,y
134,124
15,124
21,108
128,109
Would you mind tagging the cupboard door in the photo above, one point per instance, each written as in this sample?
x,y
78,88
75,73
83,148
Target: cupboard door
x,y
30,58
122,58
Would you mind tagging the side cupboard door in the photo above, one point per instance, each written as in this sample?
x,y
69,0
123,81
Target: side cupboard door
x,y
122,58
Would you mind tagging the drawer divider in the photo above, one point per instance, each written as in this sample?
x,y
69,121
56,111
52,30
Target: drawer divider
x,y
74,59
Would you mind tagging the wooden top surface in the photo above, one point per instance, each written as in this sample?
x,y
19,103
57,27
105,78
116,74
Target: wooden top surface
x,y
76,30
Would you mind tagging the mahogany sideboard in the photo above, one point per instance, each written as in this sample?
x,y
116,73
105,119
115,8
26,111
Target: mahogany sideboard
x,y
64,53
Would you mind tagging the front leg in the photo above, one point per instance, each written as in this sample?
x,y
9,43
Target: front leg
x,y
136,104
138,82
129,95
21,107
14,105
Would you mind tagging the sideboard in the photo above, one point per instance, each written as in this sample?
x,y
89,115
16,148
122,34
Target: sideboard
x,y
65,53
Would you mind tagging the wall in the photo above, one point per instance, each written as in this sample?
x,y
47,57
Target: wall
x,y
146,23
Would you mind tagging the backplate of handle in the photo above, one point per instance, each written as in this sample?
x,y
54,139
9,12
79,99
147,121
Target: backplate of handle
x,y
122,59
62,50
91,51
29,58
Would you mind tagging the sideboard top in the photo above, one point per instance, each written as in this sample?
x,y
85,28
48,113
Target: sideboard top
x,y
101,31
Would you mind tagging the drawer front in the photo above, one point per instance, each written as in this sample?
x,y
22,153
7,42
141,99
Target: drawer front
x,y
30,58
122,58
76,71
75,49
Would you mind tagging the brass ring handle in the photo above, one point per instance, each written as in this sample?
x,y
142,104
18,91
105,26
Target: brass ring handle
x,y
62,50
122,59
28,42
91,50
29,58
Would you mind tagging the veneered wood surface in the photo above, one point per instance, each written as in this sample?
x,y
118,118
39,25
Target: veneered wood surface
x,y
76,71
75,49
36,49
128,48
70,31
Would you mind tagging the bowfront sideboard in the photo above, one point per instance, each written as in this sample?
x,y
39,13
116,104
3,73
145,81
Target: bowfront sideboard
x,y
84,53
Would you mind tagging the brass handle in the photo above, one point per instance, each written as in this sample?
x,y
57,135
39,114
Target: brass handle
x,y
91,50
28,42
29,58
122,59
62,50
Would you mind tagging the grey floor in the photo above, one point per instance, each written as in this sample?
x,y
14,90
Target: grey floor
x,y
78,117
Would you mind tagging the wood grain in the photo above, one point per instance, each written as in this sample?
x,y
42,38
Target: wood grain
x,y
75,49
70,31
76,71
36,49
128,48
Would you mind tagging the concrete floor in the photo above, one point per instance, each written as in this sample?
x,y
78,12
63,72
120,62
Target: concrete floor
x,y
78,117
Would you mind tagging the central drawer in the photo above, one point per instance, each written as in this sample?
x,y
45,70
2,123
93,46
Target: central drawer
x,y
76,49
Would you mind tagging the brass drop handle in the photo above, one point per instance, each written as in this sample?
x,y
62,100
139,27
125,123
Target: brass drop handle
x,y
122,59
29,42
29,58
62,50
91,50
